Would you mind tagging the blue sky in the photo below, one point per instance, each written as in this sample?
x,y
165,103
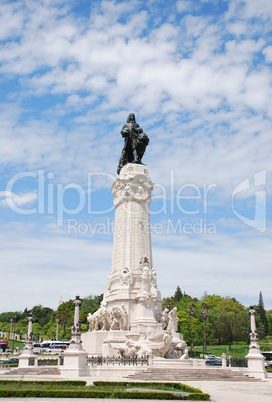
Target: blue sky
x,y
197,74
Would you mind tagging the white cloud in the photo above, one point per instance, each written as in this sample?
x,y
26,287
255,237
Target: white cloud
x,y
10,199
268,54
42,266
47,263
184,5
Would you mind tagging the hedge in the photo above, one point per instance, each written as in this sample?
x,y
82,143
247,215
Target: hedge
x,y
111,390
157,385
101,394
76,383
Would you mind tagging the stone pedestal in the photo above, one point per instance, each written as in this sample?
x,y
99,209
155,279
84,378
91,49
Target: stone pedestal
x,y
27,359
93,342
115,341
75,363
255,362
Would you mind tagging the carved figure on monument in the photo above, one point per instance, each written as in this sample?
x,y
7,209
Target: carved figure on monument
x,y
140,193
161,345
153,283
164,319
90,320
173,320
182,349
126,277
124,320
146,280
135,142
134,348
153,278
144,260
100,320
116,316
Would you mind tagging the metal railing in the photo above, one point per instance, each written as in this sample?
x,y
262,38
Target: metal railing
x,y
235,362
118,361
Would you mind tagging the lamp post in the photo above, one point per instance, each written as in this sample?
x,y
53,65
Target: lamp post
x,y
192,314
13,334
64,323
204,314
10,328
57,328
261,332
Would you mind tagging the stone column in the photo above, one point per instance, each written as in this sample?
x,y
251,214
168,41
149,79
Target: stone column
x,y
75,358
27,357
133,278
75,343
254,357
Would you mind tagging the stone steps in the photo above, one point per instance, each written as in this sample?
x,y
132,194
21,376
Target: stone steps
x,y
35,371
198,374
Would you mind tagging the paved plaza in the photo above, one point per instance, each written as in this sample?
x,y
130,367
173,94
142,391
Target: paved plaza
x,y
220,391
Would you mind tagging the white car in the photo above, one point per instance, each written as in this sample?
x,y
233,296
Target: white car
x,y
211,357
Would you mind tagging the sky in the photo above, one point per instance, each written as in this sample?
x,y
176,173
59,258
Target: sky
x,y
197,75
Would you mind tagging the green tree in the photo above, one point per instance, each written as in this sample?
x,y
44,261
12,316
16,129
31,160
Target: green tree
x,y
41,314
262,315
269,319
178,294
227,327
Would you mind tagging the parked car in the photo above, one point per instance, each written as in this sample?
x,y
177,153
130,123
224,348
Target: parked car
x,y
269,363
37,348
215,361
10,360
211,357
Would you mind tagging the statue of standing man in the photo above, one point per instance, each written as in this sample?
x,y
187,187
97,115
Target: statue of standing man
x,y
135,142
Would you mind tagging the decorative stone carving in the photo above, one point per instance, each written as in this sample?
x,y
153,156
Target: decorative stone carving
x,y
116,318
100,320
146,280
164,319
126,277
172,320
104,319
132,189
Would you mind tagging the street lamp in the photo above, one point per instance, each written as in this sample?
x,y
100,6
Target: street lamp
x,y
64,323
13,334
204,314
192,314
10,327
57,320
261,332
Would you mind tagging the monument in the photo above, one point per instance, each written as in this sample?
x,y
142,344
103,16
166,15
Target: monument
x,y
255,359
27,358
130,321
75,362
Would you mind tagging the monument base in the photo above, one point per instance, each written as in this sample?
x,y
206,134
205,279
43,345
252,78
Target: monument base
x,y
92,342
255,362
75,363
27,359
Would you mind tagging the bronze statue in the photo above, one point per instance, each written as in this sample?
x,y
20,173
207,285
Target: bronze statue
x,y
135,143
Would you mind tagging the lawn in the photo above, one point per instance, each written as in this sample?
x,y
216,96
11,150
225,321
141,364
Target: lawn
x,y
238,350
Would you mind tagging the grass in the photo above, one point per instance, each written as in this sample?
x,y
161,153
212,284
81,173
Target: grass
x,y
238,350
